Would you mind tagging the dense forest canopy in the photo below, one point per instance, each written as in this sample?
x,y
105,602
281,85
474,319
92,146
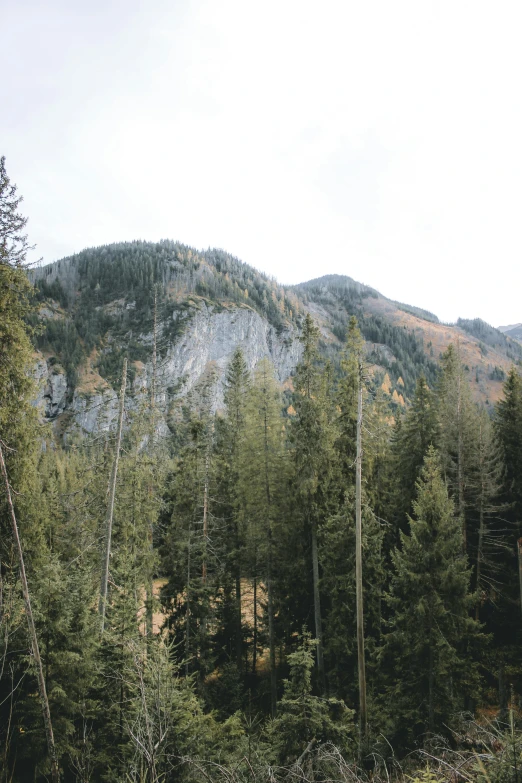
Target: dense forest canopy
x,y
258,556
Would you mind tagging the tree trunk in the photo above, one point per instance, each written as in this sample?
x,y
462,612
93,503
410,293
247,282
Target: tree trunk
x,y
149,602
271,632
480,546
363,717
239,619
254,652
55,772
502,693
317,609
205,517
520,569
431,683
460,460
187,612
110,511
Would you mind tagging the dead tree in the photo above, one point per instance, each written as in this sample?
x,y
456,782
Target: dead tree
x,y
363,717
110,510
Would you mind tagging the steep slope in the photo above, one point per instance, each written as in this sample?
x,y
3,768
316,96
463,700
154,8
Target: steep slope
x,y
514,331
99,305
406,340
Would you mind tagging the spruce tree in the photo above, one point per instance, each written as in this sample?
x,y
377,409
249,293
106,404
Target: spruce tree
x,y
458,432
413,434
430,628
508,425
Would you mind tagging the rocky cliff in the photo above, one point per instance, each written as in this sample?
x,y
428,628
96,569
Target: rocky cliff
x,y
201,354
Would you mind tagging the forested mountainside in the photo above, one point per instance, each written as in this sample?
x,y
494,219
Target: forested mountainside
x,y
253,559
514,331
101,305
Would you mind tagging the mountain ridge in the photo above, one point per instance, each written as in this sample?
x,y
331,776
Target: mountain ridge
x,y
97,306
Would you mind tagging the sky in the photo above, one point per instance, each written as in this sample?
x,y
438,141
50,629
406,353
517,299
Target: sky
x,y
377,139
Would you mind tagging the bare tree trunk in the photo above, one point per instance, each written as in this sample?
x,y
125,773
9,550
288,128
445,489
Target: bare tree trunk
x,y
149,600
317,609
271,631
502,693
110,511
205,516
154,355
254,651
363,716
187,612
431,684
460,458
239,618
55,772
520,569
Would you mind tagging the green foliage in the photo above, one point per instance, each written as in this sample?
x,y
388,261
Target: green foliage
x,y
430,629
247,515
488,335
303,718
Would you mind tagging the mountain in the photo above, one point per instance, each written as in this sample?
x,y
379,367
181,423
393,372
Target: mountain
x,y
514,331
100,305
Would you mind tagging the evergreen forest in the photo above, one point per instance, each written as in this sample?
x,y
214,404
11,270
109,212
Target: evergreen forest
x,y
312,584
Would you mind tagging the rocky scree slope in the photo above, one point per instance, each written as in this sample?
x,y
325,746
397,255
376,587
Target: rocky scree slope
x,y
98,306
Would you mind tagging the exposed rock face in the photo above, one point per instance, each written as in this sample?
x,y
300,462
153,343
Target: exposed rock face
x,y
210,340
94,413
203,350
52,389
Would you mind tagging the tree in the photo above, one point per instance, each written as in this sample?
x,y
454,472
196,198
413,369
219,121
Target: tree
x,y
313,437
261,483
355,349
508,426
13,242
457,434
338,585
230,432
305,720
410,443
16,431
430,629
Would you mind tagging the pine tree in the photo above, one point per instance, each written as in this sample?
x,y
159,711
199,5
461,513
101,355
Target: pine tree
x,y
305,720
430,628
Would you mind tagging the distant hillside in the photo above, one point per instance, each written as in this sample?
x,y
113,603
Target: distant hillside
x,y
514,331
406,340
98,306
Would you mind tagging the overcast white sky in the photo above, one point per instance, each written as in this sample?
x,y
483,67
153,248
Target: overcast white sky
x,y
379,139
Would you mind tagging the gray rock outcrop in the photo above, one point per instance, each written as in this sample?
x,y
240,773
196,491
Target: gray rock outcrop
x,y
203,350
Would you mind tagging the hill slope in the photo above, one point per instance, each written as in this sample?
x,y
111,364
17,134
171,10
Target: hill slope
x,y
99,305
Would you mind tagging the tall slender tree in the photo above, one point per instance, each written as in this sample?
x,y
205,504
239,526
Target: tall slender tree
x,y
261,484
313,437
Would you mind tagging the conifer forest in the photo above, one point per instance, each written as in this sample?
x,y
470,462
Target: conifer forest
x,y
312,580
